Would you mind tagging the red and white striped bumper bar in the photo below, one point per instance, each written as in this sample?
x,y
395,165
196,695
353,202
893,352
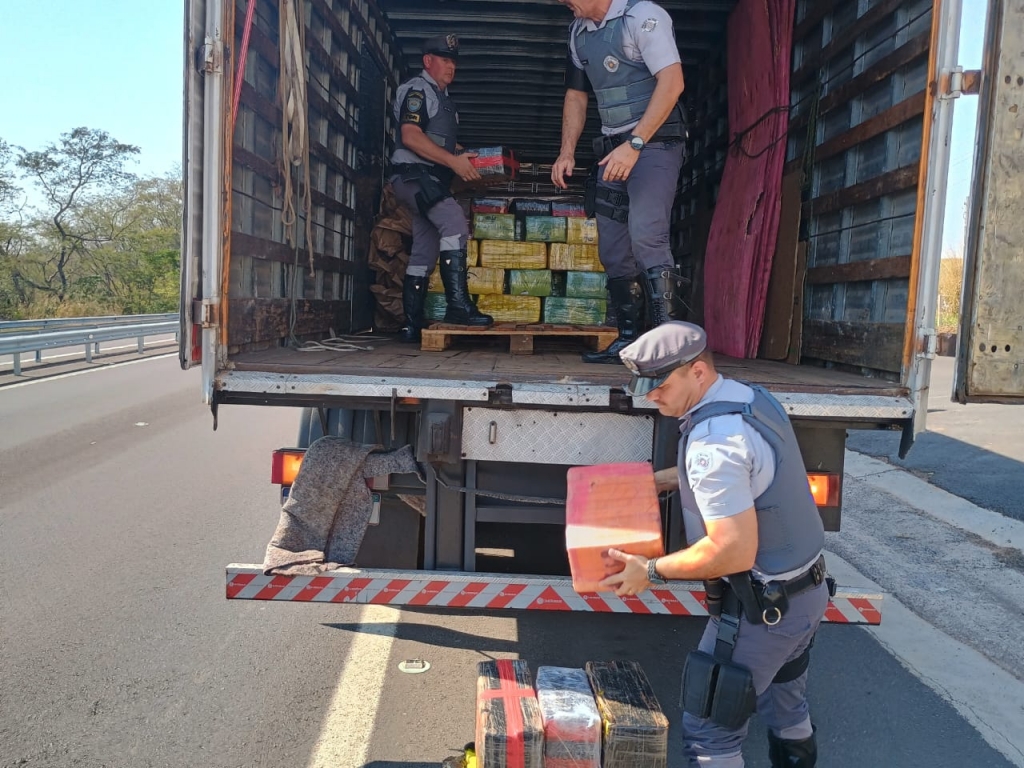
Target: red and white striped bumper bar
x,y
474,591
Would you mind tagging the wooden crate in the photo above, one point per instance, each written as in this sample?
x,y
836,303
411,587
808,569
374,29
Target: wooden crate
x,y
440,336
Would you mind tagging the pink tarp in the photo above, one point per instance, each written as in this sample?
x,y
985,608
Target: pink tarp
x,y
745,224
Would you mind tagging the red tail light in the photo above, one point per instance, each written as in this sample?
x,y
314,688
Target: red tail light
x,y
285,465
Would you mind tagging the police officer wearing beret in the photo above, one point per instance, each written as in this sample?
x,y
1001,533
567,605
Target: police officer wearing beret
x,y
625,52
754,536
424,163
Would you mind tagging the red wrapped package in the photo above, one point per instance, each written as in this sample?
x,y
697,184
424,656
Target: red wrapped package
x,y
610,506
509,730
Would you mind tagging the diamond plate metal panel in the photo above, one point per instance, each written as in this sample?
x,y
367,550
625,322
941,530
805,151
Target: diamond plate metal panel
x,y
548,437
255,382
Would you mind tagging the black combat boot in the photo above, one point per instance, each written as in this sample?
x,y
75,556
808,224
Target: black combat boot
x,y
661,289
461,309
414,293
792,754
627,300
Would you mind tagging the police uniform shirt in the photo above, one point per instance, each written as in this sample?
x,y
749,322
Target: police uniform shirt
x,y
416,103
647,36
729,463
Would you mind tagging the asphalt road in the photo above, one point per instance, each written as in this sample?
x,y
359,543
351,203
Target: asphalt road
x,y
975,451
119,507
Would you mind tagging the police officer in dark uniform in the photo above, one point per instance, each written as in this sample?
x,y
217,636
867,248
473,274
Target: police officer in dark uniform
x,y
625,52
754,537
425,161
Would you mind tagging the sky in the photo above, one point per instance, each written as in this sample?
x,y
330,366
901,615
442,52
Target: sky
x,y
117,65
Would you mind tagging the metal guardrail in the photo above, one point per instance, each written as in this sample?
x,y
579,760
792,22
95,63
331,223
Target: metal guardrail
x,y
67,323
17,344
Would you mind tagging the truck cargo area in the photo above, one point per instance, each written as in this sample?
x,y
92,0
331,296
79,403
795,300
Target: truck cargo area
x,y
842,298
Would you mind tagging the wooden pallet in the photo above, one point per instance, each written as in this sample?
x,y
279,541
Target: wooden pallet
x,y
439,336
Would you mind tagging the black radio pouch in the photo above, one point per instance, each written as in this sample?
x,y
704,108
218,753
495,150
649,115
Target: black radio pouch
x,y
719,691
431,192
590,193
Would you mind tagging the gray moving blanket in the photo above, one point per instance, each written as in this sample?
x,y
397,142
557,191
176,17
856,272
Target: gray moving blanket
x,y
325,517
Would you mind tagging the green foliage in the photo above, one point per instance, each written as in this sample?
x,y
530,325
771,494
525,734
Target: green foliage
x,y
100,240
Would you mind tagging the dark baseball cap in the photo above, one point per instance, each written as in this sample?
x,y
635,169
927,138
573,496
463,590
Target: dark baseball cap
x,y
657,353
442,45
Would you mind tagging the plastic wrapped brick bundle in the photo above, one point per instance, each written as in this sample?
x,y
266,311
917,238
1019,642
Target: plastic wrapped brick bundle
x,y
545,229
586,285
489,205
570,208
572,724
525,206
574,258
581,231
534,282
509,729
486,280
563,311
506,255
434,284
495,164
435,306
609,505
473,253
635,728
510,309
494,226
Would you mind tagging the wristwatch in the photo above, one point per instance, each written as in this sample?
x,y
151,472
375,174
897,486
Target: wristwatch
x,y
652,572
637,143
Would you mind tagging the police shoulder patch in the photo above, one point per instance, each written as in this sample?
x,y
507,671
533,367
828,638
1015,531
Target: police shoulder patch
x,y
701,462
414,102
649,26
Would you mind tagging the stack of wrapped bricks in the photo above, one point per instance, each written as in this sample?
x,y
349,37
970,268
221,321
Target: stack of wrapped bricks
x,y
603,717
531,261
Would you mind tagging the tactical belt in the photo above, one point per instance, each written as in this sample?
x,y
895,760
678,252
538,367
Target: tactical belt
x,y
668,134
444,175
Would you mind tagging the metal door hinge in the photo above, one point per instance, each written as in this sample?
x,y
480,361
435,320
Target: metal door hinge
x,y
204,313
929,344
959,82
209,57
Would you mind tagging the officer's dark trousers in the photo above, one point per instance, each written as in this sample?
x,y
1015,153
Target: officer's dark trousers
x,y
642,243
444,228
782,706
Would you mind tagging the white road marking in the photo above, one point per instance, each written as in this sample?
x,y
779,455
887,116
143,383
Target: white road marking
x,y
5,387
347,728
985,695
998,529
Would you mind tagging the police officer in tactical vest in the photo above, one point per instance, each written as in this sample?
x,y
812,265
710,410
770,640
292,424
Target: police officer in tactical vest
x,y
625,52
754,536
425,161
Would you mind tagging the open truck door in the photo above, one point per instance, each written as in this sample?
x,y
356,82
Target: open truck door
x,y
207,37
990,352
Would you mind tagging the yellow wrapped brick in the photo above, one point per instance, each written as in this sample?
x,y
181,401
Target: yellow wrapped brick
x,y
506,255
574,258
582,231
486,280
473,253
510,309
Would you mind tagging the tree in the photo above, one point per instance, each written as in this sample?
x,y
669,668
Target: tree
x,y
83,166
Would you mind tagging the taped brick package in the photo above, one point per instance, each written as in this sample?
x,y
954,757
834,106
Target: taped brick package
x,y
495,164
509,728
586,285
574,258
506,255
472,253
635,728
535,282
610,505
510,309
494,226
581,231
525,206
489,205
572,724
486,280
562,311
545,229
569,208
435,306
